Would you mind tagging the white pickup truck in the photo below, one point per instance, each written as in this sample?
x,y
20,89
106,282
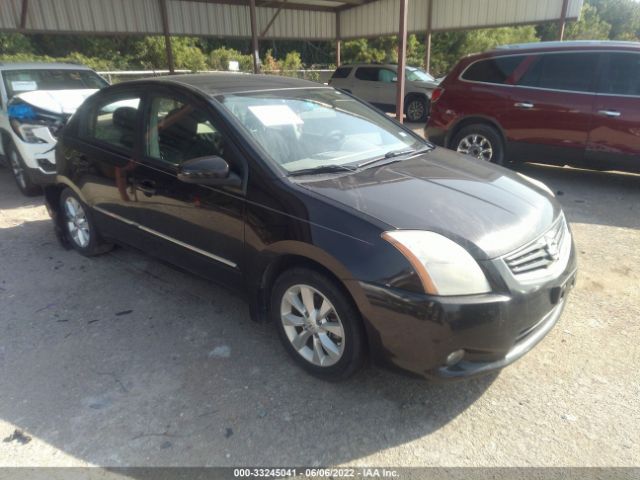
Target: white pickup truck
x,y
36,99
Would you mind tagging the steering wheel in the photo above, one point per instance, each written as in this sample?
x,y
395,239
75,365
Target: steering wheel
x,y
336,136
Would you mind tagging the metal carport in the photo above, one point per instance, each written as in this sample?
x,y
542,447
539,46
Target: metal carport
x,y
332,20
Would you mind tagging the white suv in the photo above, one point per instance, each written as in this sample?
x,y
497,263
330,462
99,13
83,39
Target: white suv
x,y
376,84
36,99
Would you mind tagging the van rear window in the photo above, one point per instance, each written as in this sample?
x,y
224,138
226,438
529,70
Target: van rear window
x,y
493,70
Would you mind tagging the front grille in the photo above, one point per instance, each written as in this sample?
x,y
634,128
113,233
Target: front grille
x,y
540,254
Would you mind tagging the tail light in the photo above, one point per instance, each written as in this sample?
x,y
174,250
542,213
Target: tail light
x,y
436,94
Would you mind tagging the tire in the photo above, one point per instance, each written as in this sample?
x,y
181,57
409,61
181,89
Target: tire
x,y
79,227
21,173
333,347
416,109
480,141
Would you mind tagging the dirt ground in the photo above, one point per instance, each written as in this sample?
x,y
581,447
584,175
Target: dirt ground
x,y
120,360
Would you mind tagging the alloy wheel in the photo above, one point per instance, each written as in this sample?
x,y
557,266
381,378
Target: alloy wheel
x,y
18,169
415,110
312,325
77,223
477,146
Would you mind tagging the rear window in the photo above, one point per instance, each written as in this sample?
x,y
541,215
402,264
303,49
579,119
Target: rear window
x,y
622,75
342,72
562,71
367,73
493,70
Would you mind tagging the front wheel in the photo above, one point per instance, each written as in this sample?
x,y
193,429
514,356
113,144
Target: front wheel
x,y
79,226
480,141
318,324
20,173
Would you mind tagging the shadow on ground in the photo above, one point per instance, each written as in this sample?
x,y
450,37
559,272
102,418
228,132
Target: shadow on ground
x,y
587,196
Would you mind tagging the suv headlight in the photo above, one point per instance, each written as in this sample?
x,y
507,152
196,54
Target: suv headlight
x,y
27,132
444,267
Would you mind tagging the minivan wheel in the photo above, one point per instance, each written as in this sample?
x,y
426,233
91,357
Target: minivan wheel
x,y
20,173
317,323
416,109
480,141
79,226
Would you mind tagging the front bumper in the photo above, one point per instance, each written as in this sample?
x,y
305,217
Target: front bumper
x,y
417,332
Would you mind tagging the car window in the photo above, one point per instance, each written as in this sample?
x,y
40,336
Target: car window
x,y
369,74
20,81
622,77
417,75
386,76
114,121
342,72
179,131
562,71
493,70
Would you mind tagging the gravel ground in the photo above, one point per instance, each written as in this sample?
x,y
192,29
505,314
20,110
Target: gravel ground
x,y
121,360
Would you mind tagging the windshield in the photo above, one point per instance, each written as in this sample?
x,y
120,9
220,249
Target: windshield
x,y
312,128
20,81
416,75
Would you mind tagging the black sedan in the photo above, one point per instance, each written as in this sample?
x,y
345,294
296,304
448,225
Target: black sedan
x,y
349,232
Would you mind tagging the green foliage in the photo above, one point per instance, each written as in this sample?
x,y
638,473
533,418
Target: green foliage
x,y
151,53
220,57
622,15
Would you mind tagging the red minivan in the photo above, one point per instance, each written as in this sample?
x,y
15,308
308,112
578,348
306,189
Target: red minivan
x,y
575,103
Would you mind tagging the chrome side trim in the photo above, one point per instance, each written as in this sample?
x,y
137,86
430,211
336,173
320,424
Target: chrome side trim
x,y
212,256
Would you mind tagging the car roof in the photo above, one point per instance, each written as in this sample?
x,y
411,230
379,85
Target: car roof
x,y
224,83
574,45
41,66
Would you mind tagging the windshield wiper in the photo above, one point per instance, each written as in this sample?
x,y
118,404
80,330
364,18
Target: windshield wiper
x,y
393,154
323,169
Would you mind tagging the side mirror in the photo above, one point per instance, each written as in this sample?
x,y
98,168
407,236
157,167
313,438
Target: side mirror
x,y
211,170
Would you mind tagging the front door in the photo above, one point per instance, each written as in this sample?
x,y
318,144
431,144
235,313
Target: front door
x,y
202,224
614,140
549,111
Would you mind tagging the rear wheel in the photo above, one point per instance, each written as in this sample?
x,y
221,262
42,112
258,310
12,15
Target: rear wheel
x,y
480,141
317,323
20,173
416,109
79,226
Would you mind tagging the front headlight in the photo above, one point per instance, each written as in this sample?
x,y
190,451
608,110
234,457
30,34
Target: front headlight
x,y
444,267
27,132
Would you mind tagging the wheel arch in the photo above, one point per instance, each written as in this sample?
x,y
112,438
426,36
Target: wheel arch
x,y
311,258
473,119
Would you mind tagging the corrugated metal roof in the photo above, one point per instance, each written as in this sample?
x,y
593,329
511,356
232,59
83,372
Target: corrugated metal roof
x,y
296,19
381,17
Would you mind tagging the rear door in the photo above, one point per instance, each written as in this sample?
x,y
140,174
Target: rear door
x,y
365,83
102,159
200,226
614,139
550,110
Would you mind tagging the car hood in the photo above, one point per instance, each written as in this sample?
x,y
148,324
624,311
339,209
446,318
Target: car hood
x,y
61,102
489,210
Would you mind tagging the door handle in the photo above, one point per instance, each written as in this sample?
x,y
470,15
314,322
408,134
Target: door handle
x,y
609,113
526,105
147,187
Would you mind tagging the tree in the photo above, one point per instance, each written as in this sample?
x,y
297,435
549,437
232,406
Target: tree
x,y
590,26
622,15
151,53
